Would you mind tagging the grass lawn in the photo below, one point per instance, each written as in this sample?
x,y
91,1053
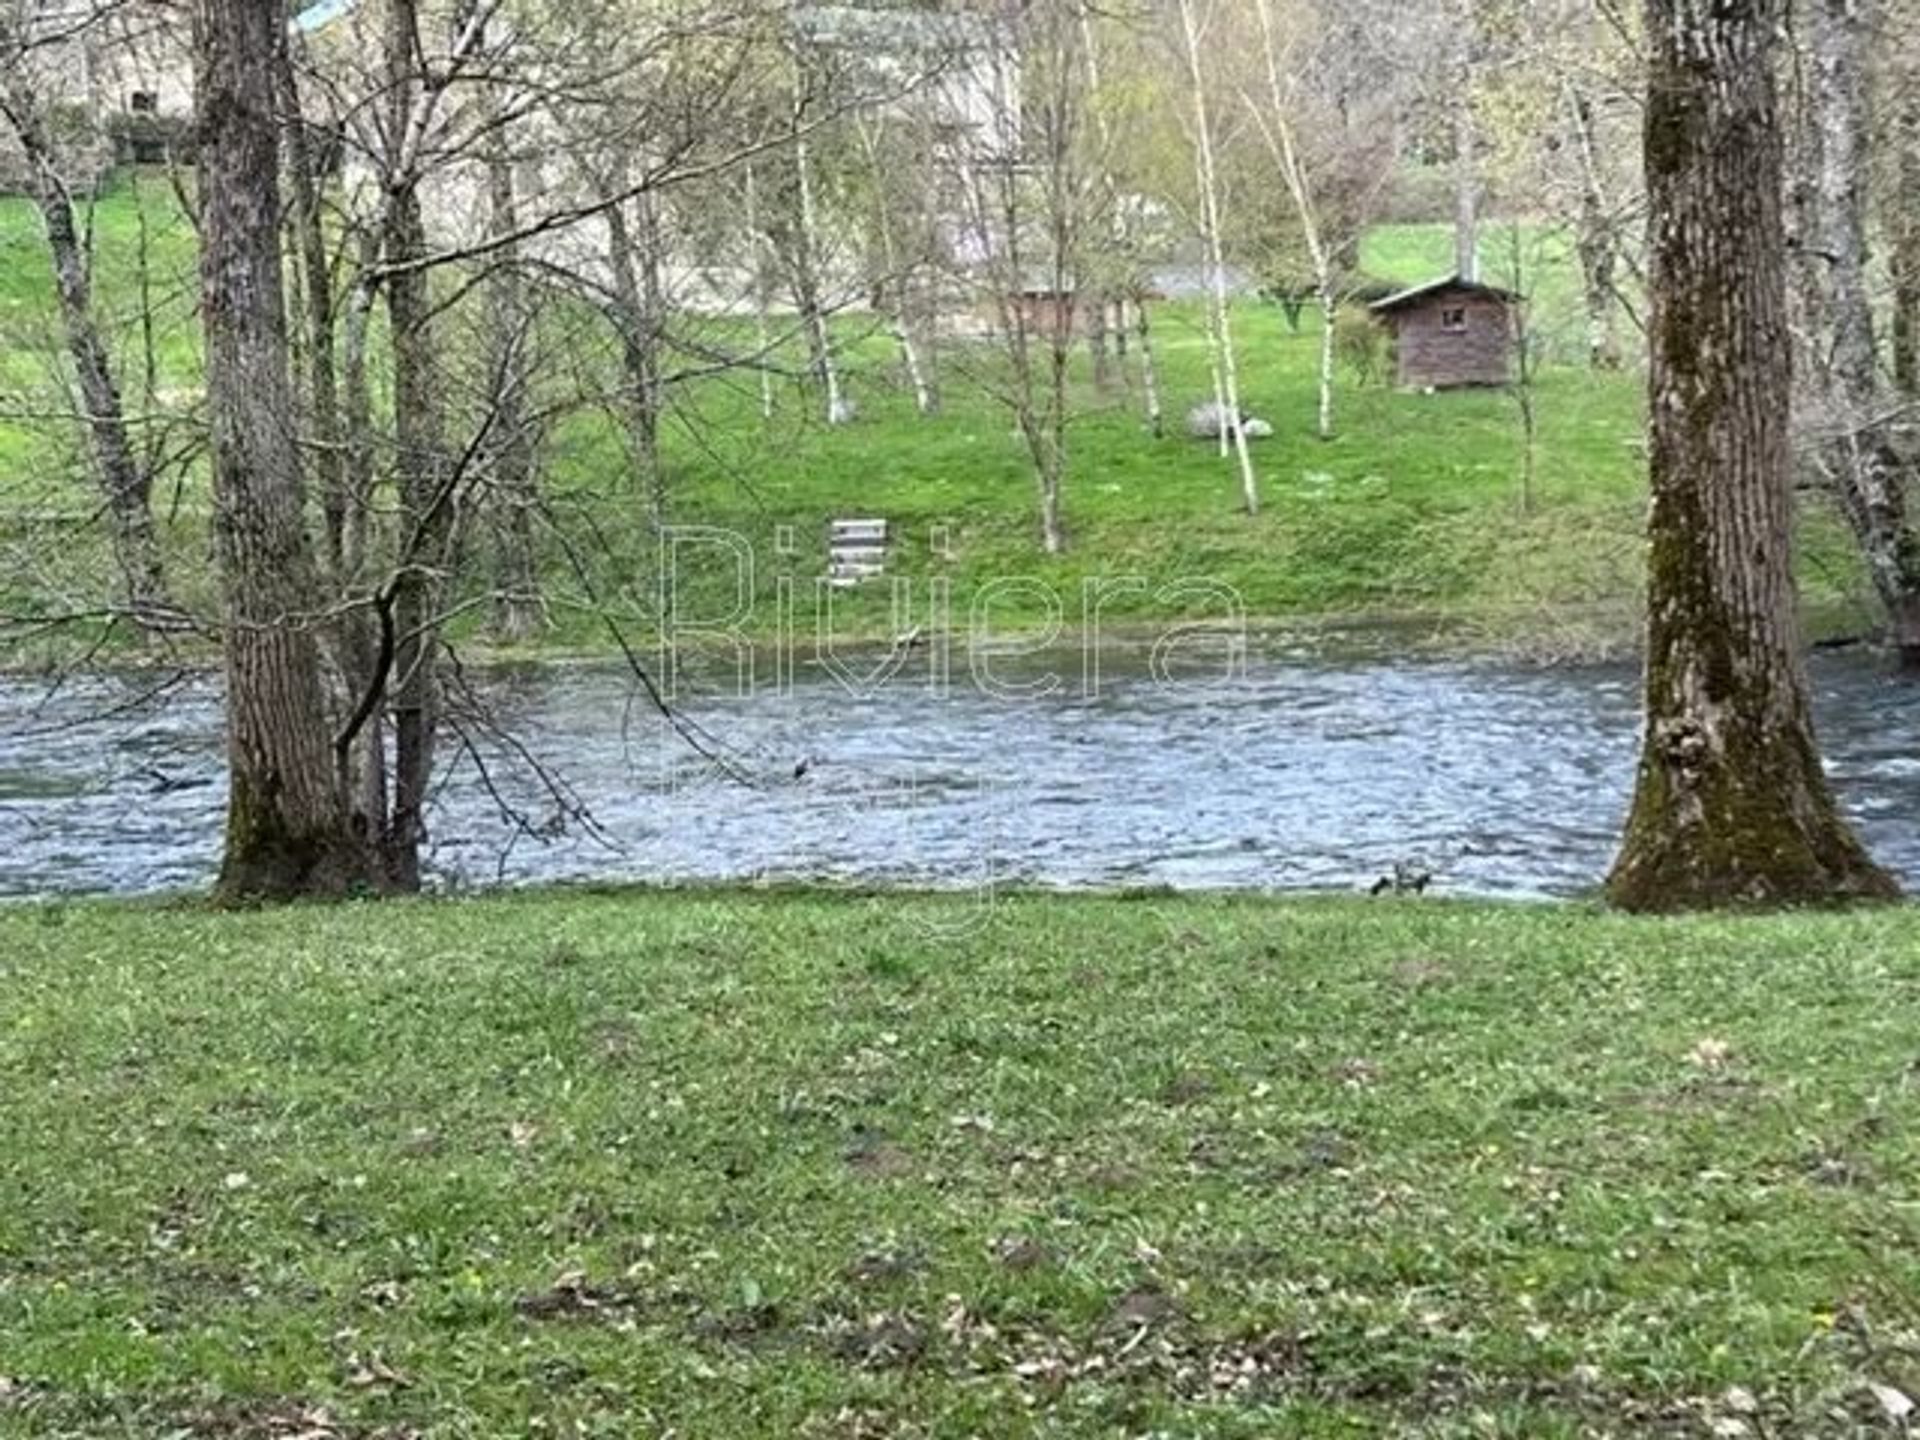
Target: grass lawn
x,y
728,1165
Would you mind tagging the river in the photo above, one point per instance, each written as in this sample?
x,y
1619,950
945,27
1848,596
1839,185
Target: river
x,y
1298,772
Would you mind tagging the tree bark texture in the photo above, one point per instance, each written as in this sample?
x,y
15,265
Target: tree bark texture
x,y
1731,805
1843,409
288,832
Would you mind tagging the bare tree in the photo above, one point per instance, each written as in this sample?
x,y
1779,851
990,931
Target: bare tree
x,y
1467,179
126,484
1035,197
1732,806
1333,178
1124,281
899,190
1597,232
1220,310
512,454
805,259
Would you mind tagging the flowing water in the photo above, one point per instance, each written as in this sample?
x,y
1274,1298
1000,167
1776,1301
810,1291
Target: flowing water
x,y
1293,773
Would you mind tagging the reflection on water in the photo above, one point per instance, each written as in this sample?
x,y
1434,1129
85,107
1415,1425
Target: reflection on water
x,y
1307,774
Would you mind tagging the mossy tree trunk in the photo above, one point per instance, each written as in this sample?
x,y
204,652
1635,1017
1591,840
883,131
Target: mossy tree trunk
x,y
288,833
1731,806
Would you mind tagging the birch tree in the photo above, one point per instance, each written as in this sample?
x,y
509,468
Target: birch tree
x,y
901,231
1035,197
1329,135
1219,308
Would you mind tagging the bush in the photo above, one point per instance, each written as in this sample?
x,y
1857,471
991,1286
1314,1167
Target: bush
x,y
1364,345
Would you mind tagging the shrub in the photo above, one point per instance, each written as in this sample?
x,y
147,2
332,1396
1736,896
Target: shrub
x,y
1363,344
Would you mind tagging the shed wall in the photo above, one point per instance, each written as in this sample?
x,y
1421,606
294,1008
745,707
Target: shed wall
x,y
1431,355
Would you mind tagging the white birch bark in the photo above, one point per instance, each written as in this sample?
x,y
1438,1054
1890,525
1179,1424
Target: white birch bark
x,y
1227,367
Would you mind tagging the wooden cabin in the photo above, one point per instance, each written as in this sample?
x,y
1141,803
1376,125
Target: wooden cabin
x,y
1451,333
1045,313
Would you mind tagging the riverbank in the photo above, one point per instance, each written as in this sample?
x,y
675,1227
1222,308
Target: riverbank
x,y
734,1165
1419,508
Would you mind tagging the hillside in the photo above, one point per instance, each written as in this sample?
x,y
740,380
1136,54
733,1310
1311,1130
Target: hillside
x,y
1413,514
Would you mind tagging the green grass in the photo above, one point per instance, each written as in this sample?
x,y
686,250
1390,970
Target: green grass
x,y
728,1165
1415,510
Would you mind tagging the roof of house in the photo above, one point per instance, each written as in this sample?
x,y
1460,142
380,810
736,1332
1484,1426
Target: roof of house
x,y
1447,283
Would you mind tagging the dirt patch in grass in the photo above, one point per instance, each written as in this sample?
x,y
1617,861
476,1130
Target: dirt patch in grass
x,y
572,1297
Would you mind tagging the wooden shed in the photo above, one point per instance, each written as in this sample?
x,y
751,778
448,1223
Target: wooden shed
x,y
1452,332
1044,312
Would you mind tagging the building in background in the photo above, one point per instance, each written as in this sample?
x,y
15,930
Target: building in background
x,y
1452,333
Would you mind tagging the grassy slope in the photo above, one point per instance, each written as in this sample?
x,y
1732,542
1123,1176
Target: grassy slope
x,y
1413,510
734,1166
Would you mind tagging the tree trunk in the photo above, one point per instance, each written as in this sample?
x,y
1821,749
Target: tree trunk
x,y
1595,242
636,268
1149,369
1329,328
1466,165
762,320
1097,344
124,483
323,397
425,503
1904,223
1227,364
896,280
288,833
806,274
361,760
1277,128
1840,392
514,493
1731,805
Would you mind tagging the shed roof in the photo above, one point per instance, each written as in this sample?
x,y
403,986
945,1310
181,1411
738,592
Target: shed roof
x,y
1447,283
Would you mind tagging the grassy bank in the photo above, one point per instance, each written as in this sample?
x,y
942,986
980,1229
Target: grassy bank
x,y
731,1166
1414,510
